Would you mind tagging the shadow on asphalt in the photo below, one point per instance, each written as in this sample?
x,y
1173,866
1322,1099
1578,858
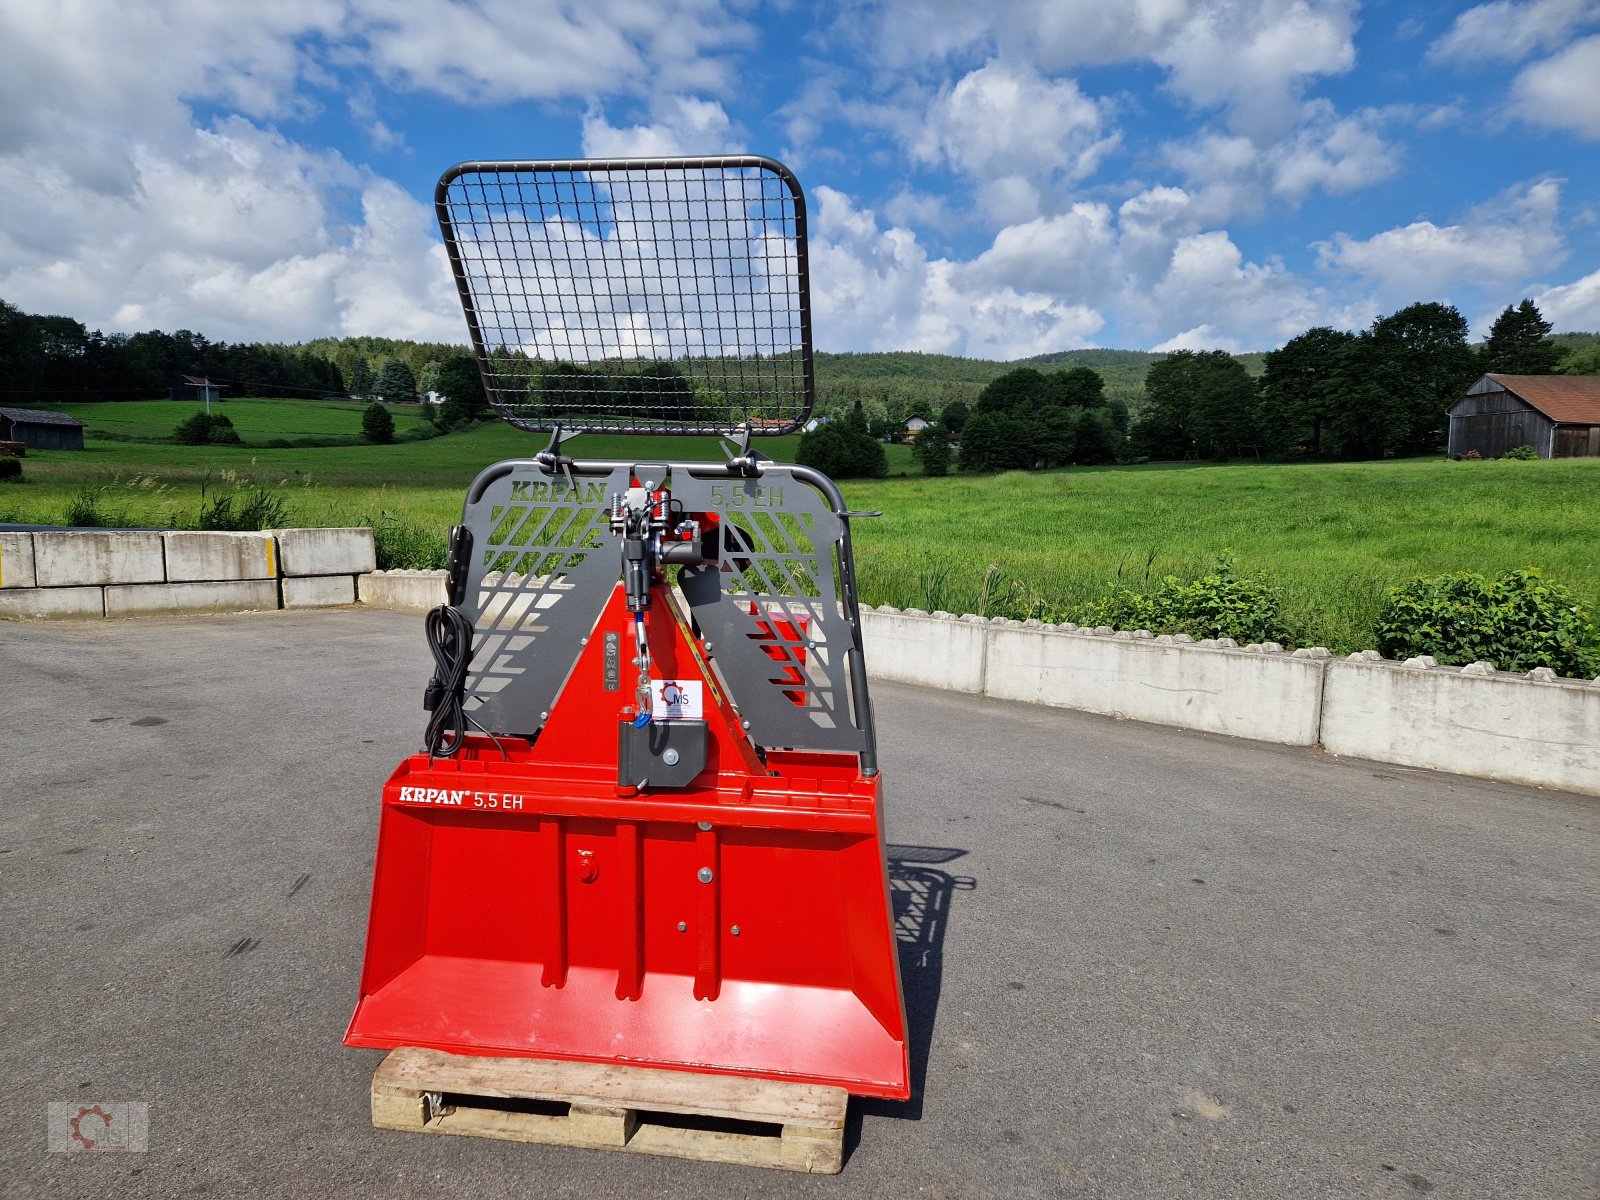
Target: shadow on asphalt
x,y
921,897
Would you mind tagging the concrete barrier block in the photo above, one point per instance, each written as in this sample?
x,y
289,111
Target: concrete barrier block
x,y
53,602
318,591
408,591
326,551
234,595
97,557
1269,697
1495,726
925,650
196,556
16,560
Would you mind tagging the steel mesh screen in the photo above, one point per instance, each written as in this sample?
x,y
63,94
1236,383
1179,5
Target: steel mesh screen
x,y
635,296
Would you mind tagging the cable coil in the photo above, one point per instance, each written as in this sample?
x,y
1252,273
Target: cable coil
x,y
450,639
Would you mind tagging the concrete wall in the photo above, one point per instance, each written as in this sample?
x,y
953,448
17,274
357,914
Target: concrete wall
x,y
1471,720
195,557
1533,729
408,591
326,551
97,558
1269,696
16,560
120,572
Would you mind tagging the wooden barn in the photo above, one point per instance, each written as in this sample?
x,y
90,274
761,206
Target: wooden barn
x,y
1558,415
40,430
193,387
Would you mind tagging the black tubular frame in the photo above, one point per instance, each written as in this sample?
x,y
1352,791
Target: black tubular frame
x,y
594,309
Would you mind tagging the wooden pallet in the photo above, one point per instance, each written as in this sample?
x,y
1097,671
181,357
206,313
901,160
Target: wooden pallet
x,y
715,1118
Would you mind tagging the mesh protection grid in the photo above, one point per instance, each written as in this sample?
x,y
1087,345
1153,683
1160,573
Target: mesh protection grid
x,y
635,296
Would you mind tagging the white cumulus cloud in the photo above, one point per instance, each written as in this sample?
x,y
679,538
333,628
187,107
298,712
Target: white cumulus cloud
x,y
1013,131
1255,60
1562,91
1498,244
683,126
1508,31
1571,306
875,289
499,50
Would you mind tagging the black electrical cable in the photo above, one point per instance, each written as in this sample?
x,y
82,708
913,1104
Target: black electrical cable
x,y
450,639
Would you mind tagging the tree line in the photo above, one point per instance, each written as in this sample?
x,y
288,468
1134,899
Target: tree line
x,y
1329,392
54,360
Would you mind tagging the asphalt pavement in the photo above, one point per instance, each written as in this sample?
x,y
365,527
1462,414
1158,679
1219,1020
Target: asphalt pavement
x,y
1138,961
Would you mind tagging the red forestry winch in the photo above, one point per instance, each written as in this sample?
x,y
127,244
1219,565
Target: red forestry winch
x,y
647,827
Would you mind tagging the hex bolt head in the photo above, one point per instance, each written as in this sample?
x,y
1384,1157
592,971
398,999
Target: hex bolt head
x,y
670,757
704,875
734,931
683,927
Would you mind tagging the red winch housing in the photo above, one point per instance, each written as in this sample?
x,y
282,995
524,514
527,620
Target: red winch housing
x,y
525,903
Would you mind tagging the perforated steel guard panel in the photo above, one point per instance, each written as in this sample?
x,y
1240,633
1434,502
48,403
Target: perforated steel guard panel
x,y
639,296
782,634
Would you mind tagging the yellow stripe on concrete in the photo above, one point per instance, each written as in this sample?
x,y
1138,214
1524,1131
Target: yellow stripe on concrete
x,y
272,557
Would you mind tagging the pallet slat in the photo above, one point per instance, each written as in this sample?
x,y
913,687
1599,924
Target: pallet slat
x,y
612,1107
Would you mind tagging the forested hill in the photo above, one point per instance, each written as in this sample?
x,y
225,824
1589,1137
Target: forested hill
x,y
1121,369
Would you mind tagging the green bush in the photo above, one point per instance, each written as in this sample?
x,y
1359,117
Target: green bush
x,y
840,451
1517,620
88,509
1218,604
1521,453
206,429
377,424
255,507
10,468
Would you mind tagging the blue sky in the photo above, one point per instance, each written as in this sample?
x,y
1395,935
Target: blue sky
x,y
990,180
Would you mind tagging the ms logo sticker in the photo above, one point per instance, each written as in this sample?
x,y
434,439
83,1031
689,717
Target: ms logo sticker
x,y
677,700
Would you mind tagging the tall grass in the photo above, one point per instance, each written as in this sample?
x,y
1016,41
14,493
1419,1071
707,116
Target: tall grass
x,y
1329,537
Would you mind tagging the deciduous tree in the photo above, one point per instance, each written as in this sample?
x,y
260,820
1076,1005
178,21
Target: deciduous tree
x,y
1302,389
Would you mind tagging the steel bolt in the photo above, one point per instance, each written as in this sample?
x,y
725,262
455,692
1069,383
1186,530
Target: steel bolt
x,y
670,757
683,927
705,875
734,931
744,724
703,825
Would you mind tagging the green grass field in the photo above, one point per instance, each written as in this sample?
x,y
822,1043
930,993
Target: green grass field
x,y
1330,536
